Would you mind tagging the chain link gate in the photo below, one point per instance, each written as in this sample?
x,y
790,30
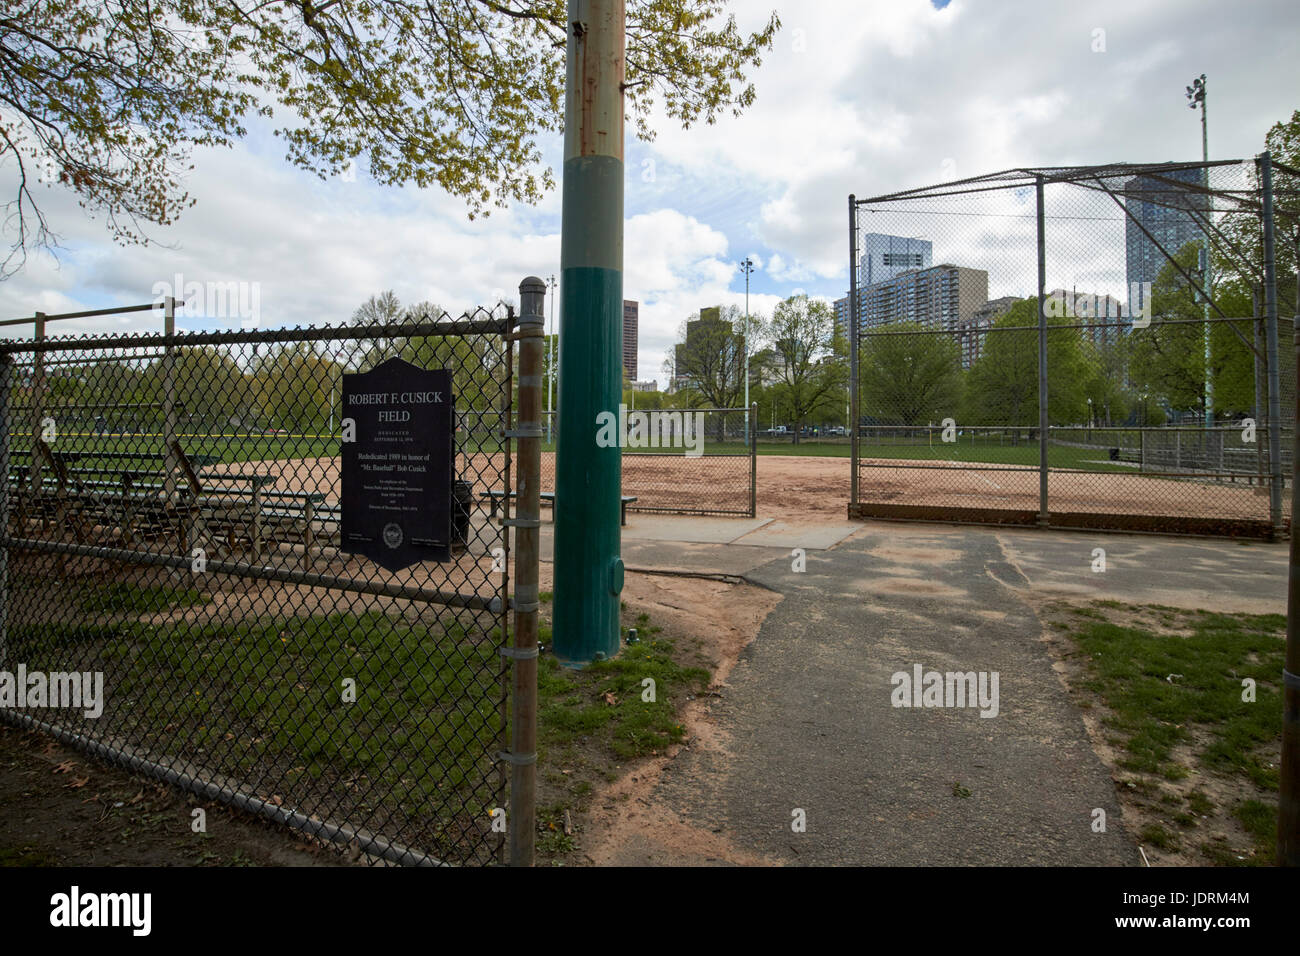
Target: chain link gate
x,y
1037,347
173,578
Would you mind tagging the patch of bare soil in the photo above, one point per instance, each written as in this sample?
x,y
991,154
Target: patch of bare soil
x,y
625,823
60,808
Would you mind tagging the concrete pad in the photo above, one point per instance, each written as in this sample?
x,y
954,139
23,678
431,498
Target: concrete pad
x,y
1246,576
692,556
811,537
705,530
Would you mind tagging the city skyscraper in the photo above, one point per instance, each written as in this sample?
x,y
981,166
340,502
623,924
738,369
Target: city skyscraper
x,y
886,257
943,297
1166,210
631,310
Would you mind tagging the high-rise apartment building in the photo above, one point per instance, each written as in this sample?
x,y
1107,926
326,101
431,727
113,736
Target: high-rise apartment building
x,y
942,297
630,320
886,257
1169,213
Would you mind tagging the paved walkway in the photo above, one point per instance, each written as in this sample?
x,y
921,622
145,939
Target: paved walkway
x,y
808,717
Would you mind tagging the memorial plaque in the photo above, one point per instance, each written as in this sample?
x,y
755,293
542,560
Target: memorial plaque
x,y
397,470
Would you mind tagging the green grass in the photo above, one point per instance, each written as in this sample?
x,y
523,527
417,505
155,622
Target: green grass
x,y
1158,687
227,449
1171,694
265,701
605,701
1025,454
122,597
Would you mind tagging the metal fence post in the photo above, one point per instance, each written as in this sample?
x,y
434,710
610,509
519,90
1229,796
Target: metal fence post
x,y
6,383
169,402
523,723
753,459
1258,410
1042,358
38,399
854,397
1270,325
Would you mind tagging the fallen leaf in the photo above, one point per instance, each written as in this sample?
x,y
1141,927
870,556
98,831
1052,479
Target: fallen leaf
x,y
77,783
610,699
66,767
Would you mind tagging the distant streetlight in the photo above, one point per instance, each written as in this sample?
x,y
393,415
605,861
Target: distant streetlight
x,y
747,267
1196,95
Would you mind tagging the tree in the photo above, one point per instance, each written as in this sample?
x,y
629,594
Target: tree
x,y
1168,360
108,100
209,388
297,388
711,356
1002,386
1241,256
1112,400
1232,364
909,379
811,377
382,309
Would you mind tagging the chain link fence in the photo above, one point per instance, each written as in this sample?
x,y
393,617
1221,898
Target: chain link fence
x,y
1036,347
174,574
690,461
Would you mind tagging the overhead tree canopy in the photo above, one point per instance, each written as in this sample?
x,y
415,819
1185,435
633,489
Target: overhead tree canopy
x,y
107,98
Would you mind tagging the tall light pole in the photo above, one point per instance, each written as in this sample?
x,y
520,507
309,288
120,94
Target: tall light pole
x,y
550,365
588,567
1196,95
748,267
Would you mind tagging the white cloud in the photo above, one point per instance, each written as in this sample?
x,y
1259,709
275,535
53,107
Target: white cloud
x,y
876,95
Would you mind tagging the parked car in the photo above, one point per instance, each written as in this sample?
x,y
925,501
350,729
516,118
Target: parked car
x,y
837,431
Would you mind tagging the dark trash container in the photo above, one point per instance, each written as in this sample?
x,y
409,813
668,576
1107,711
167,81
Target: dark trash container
x,y
1114,454
462,503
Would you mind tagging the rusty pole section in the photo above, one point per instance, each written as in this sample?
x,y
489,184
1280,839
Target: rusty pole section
x,y
530,332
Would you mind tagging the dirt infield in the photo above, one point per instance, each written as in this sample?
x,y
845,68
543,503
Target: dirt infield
x,y
798,488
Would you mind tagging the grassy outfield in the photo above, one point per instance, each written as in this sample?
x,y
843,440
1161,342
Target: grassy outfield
x,y
1190,702
225,449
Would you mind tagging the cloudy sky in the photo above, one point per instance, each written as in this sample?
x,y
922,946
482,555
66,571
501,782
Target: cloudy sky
x,y
858,96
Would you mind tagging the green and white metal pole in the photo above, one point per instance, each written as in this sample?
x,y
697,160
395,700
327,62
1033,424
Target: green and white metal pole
x,y
588,483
